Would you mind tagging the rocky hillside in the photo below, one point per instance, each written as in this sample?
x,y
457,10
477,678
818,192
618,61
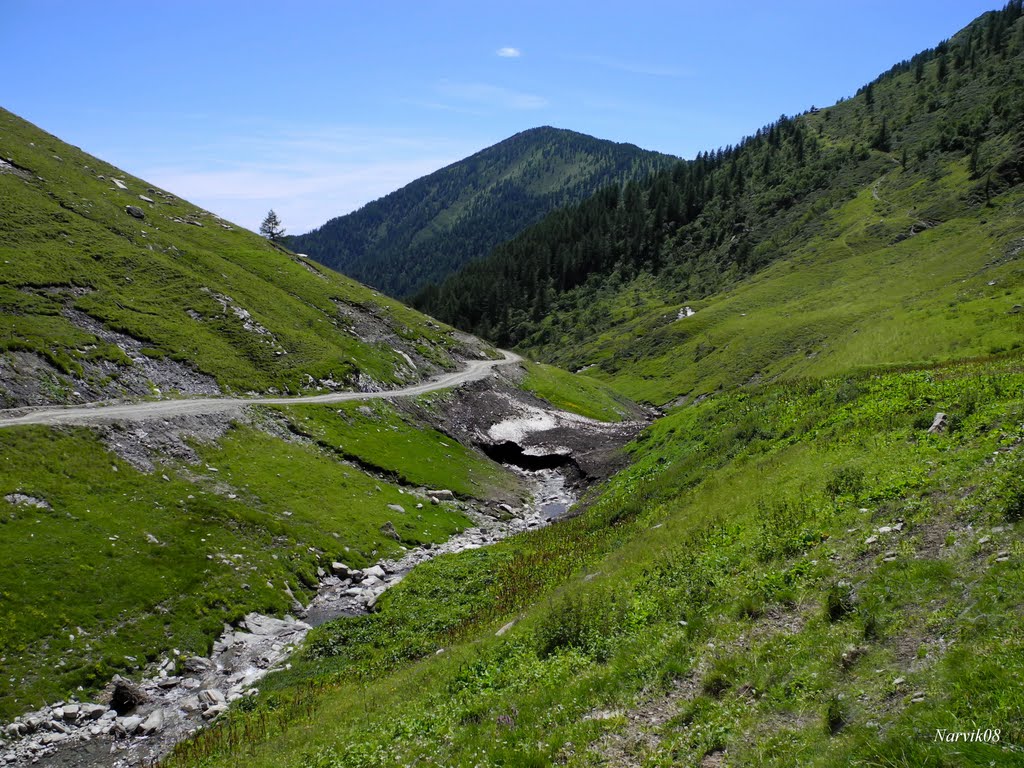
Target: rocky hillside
x,y
430,228
111,287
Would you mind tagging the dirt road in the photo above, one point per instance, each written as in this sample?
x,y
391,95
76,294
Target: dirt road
x,y
102,414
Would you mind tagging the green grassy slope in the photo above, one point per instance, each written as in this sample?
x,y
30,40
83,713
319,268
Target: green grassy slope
x,y
121,545
799,575
161,560
848,298
179,283
794,570
430,228
871,193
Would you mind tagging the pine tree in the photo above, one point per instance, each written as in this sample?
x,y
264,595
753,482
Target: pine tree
x,y
271,227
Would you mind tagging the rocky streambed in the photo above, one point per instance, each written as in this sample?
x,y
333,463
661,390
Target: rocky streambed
x,y
557,453
140,722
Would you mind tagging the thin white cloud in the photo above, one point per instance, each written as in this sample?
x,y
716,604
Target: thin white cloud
x,y
493,96
307,176
509,53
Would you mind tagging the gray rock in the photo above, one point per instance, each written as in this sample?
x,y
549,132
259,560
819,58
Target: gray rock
x,y
153,723
190,704
71,712
211,697
92,711
443,495
870,540
129,724
145,199
397,508
340,569
938,424
388,529
197,665
134,211
23,500
215,711
374,570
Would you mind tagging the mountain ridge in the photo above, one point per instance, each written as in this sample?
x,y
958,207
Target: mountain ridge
x,y
934,139
428,228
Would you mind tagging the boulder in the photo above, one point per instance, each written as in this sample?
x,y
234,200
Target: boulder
x,y
191,704
153,723
375,570
388,529
397,508
340,569
215,711
92,711
443,495
135,212
197,665
127,696
939,424
211,697
130,724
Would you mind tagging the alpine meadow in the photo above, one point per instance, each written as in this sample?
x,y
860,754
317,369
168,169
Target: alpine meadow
x,y
668,462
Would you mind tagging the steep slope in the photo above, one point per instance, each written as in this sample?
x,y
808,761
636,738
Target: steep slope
x,y
435,225
815,565
99,303
128,545
919,167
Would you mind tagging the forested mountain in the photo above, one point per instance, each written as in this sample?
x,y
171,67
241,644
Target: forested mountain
x,y
943,130
430,228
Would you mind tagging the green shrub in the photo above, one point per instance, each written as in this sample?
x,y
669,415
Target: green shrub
x,y
846,481
586,623
839,601
834,716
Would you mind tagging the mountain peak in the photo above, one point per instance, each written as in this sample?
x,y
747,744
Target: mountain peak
x,y
430,228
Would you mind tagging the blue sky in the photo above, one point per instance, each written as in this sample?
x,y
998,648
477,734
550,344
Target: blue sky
x,y
315,108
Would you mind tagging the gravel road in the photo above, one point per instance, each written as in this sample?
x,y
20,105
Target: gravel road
x,y
103,414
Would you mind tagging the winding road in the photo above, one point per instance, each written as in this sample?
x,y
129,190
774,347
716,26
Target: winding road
x,y
475,370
